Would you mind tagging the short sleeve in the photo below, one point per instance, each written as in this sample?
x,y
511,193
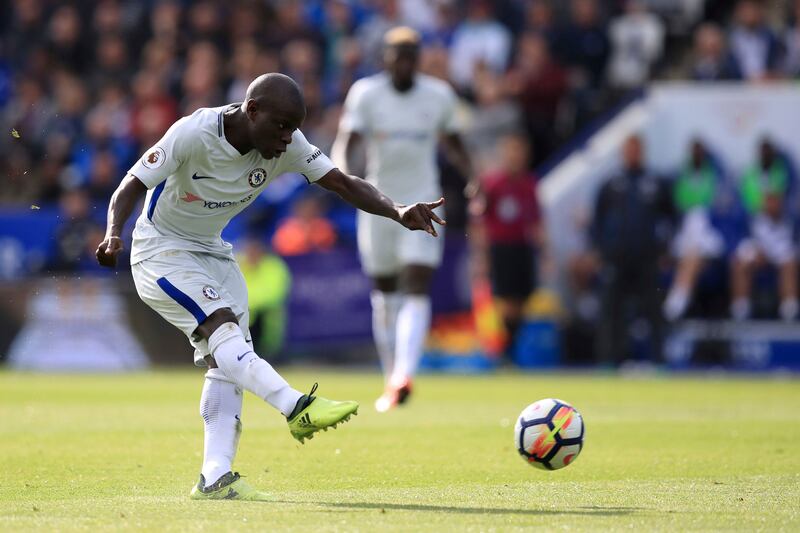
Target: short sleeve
x,y
306,159
450,123
354,115
165,157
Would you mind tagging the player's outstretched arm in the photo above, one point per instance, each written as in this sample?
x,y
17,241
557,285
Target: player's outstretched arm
x,y
120,208
360,194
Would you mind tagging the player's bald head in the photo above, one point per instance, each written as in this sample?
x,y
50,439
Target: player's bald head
x,y
276,91
275,108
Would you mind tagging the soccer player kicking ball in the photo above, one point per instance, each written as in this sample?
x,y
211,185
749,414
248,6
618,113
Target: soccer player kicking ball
x,y
401,115
207,168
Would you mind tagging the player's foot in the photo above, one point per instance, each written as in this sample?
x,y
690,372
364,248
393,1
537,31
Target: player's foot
x,y
394,395
229,487
313,413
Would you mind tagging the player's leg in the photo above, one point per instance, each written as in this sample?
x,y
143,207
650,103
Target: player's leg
x,y
377,245
512,274
221,409
788,289
743,266
413,324
385,302
611,332
689,268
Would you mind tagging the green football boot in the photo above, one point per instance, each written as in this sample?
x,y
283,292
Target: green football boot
x,y
229,487
313,413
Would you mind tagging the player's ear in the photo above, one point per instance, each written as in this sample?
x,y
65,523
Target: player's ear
x,y
251,108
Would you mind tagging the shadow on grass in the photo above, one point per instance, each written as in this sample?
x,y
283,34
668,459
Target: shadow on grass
x,y
580,511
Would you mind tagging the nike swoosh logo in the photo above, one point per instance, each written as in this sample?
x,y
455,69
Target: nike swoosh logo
x,y
196,177
242,356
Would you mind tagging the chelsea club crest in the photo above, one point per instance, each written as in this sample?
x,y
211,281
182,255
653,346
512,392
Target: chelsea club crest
x,y
210,293
257,177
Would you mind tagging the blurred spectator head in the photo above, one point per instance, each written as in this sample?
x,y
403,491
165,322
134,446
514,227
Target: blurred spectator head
x,y
584,13
104,175
709,42
71,94
533,52
107,17
205,19
301,59
308,207
633,153
65,26
479,10
289,15
165,20
515,154
766,153
401,55
749,14
698,153
158,55
539,15
245,19
112,52
28,12
74,204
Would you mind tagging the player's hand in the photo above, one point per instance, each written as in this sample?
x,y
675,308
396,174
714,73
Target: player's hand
x,y
420,216
108,250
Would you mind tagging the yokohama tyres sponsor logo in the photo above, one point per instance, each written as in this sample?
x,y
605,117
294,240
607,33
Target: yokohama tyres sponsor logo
x,y
208,204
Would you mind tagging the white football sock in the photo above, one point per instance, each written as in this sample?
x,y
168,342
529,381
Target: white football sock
x,y
241,364
384,326
221,409
676,303
740,309
413,322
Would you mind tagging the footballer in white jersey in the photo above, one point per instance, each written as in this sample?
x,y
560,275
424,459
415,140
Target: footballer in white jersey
x,y
206,169
400,116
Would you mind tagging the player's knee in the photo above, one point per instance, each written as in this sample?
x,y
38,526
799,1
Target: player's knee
x,y
215,320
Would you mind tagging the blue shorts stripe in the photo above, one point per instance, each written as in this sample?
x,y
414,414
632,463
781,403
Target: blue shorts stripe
x,y
154,199
182,298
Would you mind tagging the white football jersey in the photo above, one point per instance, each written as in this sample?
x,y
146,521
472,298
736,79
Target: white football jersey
x,y
198,181
401,132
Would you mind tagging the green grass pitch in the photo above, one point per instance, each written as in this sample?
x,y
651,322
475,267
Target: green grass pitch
x,y
121,453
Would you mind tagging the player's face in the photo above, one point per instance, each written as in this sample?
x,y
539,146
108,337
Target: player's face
x,y
401,63
271,130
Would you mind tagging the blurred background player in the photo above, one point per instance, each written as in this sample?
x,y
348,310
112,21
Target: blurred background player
x,y
764,189
513,230
400,116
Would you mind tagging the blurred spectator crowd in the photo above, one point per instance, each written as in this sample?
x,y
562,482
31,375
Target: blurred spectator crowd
x,y
86,86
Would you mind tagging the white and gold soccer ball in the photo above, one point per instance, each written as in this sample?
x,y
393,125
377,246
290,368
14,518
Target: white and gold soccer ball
x,y
549,434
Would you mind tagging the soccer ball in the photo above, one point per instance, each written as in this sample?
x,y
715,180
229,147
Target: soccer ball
x,y
549,434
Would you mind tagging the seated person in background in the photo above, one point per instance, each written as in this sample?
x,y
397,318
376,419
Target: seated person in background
x,y
697,240
513,229
306,230
764,187
630,233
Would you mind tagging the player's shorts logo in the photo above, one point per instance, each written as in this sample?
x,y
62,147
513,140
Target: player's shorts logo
x,y
154,158
257,177
210,293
